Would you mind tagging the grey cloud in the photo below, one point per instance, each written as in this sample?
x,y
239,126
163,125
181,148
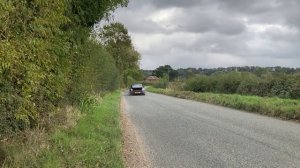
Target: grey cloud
x,y
195,21
242,6
212,33
198,20
249,7
264,10
277,35
267,11
177,3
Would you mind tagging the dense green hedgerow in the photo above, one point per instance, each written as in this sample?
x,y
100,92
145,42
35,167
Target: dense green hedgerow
x,y
47,57
245,83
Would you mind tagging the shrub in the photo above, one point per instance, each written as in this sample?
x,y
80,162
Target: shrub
x,y
198,84
249,85
228,82
276,84
162,83
295,86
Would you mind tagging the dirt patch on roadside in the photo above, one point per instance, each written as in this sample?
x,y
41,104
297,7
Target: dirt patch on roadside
x,y
133,150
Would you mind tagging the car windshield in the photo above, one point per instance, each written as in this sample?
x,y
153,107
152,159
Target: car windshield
x,y
137,86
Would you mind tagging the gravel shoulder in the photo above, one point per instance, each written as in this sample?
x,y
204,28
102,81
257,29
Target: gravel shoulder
x,y
134,155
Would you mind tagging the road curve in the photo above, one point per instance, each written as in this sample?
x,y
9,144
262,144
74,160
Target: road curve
x,y
182,133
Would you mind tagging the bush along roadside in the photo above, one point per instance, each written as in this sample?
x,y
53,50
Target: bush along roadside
x,y
93,138
272,106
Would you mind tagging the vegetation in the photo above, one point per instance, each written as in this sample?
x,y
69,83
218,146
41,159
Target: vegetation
x,y
245,83
188,72
270,82
270,91
92,138
118,43
276,107
165,71
47,58
49,61
162,82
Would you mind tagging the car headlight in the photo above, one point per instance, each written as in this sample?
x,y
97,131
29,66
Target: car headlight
x,y
143,89
131,89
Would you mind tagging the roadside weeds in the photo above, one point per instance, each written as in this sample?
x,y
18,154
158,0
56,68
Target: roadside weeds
x,y
89,139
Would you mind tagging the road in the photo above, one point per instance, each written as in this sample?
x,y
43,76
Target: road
x,y
182,133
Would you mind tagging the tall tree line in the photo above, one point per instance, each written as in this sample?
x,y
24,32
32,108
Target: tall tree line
x,y
47,57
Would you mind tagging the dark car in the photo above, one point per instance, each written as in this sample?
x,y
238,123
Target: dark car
x,y
137,89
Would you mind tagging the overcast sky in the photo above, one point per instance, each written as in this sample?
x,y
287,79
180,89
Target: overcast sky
x,y
214,33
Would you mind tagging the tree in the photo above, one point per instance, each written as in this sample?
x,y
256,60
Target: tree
x,y
118,43
87,12
166,70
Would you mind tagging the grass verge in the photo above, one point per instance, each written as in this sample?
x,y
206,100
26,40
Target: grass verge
x,y
95,140
272,106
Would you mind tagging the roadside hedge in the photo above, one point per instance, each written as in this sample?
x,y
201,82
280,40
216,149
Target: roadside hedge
x,y
246,83
48,58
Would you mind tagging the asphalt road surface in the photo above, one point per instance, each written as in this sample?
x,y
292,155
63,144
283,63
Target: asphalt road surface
x,y
182,133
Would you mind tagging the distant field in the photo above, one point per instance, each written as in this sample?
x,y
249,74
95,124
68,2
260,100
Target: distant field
x,y
276,107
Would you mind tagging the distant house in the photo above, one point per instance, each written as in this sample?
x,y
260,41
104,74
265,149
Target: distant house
x,y
151,79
